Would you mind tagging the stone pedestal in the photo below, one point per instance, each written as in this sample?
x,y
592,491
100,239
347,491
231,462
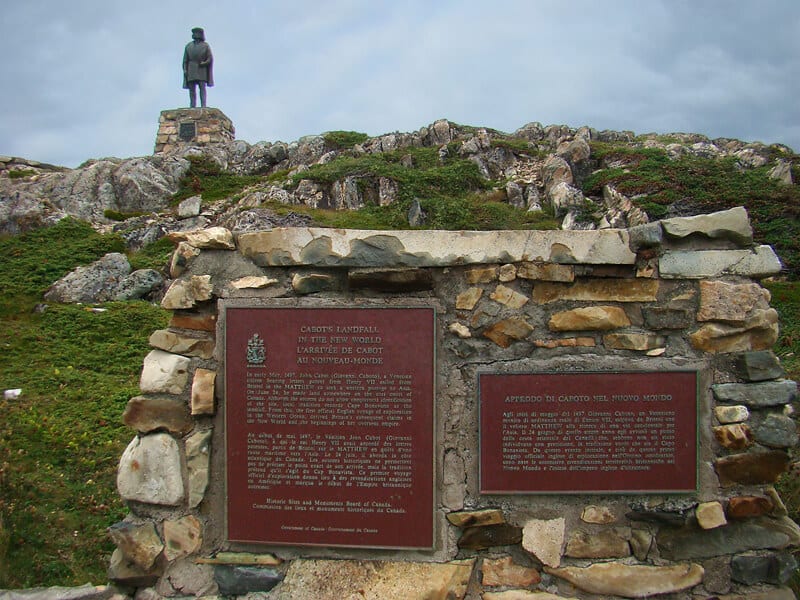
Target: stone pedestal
x,y
183,127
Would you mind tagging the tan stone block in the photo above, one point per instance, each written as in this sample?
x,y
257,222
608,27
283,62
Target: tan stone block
x,y
182,537
778,507
481,275
470,518
185,293
467,300
507,273
508,297
633,341
506,332
150,413
503,572
181,258
598,515
544,538
252,282
760,332
546,272
731,414
748,507
453,483
598,290
489,536
176,343
576,342
460,330
247,559
375,580
149,471
631,581
710,515
641,543
139,543
597,544
163,372
737,436
591,318
196,321
524,595
203,392
198,455
751,468
731,303
213,238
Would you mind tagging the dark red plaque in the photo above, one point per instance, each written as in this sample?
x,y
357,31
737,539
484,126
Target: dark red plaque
x,y
329,426
588,432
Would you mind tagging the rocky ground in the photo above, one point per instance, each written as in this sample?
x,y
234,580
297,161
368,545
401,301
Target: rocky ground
x,y
536,167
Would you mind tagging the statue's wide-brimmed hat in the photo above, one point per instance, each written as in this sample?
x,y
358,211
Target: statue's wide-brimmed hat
x,y
198,30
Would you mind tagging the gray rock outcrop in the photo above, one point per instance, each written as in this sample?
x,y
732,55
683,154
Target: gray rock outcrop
x,y
540,167
97,282
104,280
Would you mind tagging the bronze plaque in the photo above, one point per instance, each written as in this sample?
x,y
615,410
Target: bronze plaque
x,y
187,131
329,426
588,432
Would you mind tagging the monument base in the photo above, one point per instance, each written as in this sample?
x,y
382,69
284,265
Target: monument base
x,y
184,127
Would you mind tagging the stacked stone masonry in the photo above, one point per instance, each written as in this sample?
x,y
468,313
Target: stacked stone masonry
x,y
192,127
680,293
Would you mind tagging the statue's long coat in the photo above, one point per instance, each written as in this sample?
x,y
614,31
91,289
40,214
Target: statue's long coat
x,y
197,52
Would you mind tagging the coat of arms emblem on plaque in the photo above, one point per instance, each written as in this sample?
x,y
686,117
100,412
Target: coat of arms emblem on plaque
x,y
256,350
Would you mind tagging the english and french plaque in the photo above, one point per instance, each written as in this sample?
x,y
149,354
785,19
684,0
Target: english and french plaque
x,y
588,432
329,426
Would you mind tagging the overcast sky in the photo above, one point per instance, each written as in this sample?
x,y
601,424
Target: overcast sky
x,y
87,78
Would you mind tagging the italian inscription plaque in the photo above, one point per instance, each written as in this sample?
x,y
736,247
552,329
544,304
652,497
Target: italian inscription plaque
x,y
588,432
329,426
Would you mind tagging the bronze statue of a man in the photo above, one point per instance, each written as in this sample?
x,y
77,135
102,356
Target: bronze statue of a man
x,y
197,67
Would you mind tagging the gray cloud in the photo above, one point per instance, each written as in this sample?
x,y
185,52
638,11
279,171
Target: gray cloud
x,y
87,78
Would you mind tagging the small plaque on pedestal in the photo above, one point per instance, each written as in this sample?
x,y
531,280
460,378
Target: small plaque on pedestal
x,y
187,131
329,426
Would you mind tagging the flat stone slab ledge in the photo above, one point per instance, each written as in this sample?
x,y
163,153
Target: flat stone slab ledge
x,y
286,246
704,264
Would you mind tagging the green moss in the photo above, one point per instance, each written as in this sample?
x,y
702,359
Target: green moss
x,y
655,182
34,260
206,179
153,256
786,300
428,178
60,441
115,215
341,140
518,146
20,173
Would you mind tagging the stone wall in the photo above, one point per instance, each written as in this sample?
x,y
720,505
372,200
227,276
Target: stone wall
x,y
192,127
681,293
